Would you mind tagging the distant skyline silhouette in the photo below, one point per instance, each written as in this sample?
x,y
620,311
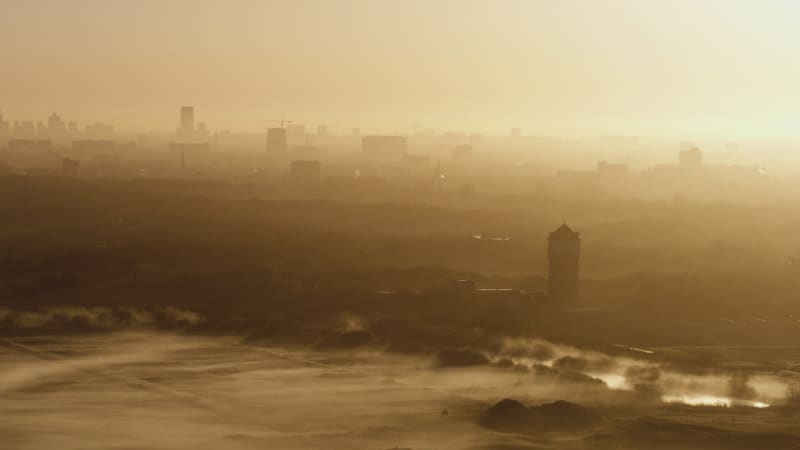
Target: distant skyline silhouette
x,y
708,69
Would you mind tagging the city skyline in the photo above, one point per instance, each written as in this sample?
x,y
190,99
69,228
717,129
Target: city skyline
x,y
399,224
709,69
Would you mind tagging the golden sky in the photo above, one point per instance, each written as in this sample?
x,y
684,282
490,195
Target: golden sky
x,y
578,67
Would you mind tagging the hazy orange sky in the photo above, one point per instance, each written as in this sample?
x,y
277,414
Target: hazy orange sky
x,y
700,67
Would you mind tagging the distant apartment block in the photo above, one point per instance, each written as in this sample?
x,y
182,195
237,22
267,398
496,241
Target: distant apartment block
x,y
277,143
384,148
691,158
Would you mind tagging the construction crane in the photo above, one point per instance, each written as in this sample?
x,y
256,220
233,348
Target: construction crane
x,y
283,123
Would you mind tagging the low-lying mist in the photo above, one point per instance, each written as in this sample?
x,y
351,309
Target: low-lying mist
x,y
182,391
635,374
182,314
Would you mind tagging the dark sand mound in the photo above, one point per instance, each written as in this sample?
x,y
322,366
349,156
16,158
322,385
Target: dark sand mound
x,y
511,415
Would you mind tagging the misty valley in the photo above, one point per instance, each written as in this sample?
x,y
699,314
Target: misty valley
x,y
399,225
146,313
184,391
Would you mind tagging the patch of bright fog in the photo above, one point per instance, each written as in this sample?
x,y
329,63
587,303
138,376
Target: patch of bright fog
x,y
177,392
615,372
710,400
163,391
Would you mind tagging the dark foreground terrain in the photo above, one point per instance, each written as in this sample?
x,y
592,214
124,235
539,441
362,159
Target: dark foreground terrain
x,y
249,316
165,391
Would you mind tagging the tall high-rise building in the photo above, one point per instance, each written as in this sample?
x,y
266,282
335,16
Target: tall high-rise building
x,y
5,127
563,256
187,120
277,143
55,124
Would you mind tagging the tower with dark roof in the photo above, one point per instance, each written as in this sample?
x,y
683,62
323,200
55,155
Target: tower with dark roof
x,y
563,256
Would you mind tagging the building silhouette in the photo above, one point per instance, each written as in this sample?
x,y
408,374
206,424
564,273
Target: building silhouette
x,y
5,129
277,143
187,120
384,148
563,255
691,158
56,126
